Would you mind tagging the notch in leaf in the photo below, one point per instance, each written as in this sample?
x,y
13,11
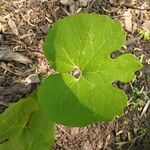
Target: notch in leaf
x,y
85,41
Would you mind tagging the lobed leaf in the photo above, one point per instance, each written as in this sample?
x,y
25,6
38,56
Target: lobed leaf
x,y
83,43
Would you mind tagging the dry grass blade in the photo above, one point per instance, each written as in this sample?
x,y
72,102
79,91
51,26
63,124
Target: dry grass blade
x,y
145,108
6,68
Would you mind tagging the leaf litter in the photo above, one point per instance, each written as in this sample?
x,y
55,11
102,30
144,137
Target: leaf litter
x,y
6,54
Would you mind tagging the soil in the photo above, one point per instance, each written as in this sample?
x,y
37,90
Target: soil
x,y
23,26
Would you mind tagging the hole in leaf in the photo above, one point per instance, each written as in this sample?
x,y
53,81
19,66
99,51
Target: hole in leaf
x,y
123,86
76,72
115,54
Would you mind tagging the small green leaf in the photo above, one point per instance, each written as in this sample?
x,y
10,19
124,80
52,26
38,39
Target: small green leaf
x,y
24,127
79,48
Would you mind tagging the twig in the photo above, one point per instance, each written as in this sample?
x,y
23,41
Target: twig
x,y
62,130
134,140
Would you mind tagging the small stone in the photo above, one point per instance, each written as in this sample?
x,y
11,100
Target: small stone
x,y
33,78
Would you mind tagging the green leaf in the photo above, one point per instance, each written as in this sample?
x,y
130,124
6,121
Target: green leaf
x,y
79,48
24,127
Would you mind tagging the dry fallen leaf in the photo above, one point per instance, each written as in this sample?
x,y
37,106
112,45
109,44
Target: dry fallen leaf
x,y
20,58
146,25
13,26
2,19
87,146
128,20
6,54
2,27
75,131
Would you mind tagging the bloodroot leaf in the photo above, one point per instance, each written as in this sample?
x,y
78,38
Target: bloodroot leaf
x,y
24,127
79,48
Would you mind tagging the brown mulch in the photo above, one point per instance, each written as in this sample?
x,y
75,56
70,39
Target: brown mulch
x,y
23,26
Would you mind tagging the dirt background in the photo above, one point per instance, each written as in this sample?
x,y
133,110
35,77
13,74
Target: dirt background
x,y
23,26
